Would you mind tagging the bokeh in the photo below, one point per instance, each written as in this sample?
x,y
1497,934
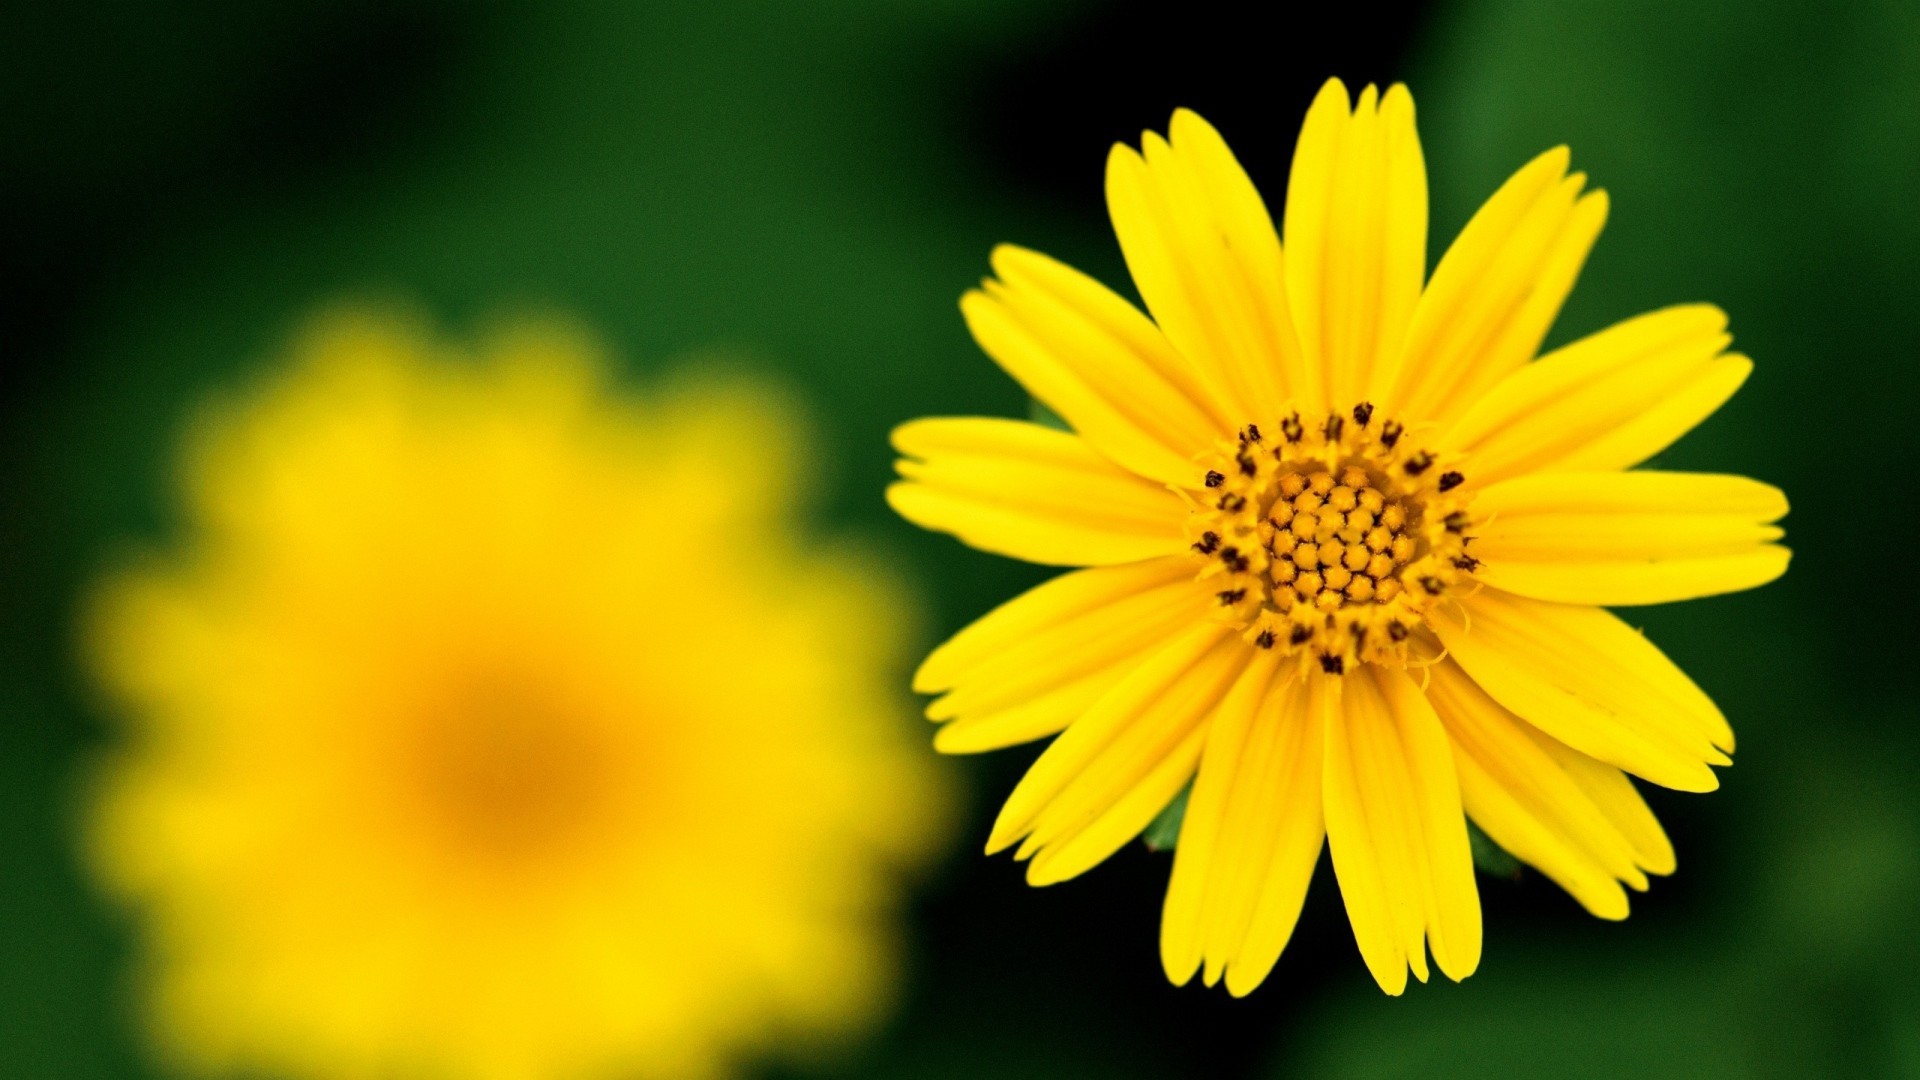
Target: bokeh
x,y
806,189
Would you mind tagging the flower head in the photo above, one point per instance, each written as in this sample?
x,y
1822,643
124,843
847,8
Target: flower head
x,y
1349,546
487,725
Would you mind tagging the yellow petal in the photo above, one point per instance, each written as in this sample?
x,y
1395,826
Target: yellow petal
x,y
1608,401
1398,832
1628,537
1253,832
1202,250
1496,291
1030,667
1291,801
1614,793
1080,597
1528,803
1117,766
1032,492
1205,830
1365,886
1047,712
1586,678
1356,248
1095,360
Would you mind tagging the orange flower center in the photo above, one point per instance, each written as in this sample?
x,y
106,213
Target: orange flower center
x,y
510,771
1331,540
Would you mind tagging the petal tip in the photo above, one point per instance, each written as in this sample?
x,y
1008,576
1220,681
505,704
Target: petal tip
x,y
896,495
1012,262
1392,987
1334,86
1696,783
974,302
1005,833
1239,986
1786,559
1596,203
948,744
1779,506
927,679
901,438
1179,957
1184,118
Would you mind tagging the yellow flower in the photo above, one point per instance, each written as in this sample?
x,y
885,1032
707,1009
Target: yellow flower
x,y
488,726
1349,542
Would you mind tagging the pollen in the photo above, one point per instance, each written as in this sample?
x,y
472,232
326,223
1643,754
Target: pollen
x,y
1333,545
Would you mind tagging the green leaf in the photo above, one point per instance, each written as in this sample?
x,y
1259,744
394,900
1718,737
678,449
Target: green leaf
x,y
1164,833
1489,857
1045,417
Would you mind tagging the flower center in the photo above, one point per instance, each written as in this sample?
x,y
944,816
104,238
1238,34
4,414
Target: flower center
x,y
1330,540
509,770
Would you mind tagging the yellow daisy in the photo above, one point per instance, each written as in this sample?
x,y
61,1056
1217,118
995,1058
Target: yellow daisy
x,y
1349,545
486,725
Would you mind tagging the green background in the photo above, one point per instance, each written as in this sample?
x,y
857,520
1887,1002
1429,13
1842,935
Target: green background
x,y
808,188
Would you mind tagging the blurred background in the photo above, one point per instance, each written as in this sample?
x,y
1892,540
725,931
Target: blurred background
x,y
811,186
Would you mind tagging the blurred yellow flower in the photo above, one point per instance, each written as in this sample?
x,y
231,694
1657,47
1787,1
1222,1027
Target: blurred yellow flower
x,y
485,725
1349,542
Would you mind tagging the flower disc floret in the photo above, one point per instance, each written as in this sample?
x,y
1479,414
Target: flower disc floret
x,y
1329,541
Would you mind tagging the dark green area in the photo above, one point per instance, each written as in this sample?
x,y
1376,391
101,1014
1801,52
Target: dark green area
x,y
808,189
